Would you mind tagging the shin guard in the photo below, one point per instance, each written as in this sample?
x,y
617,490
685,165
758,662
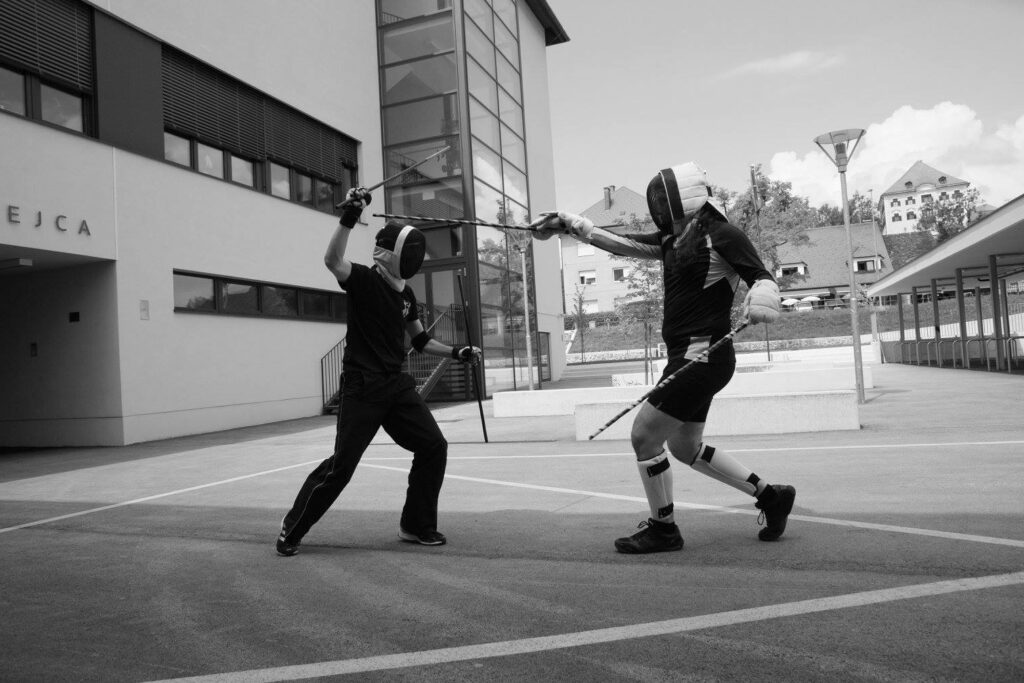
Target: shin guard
x,y
726,469
656,475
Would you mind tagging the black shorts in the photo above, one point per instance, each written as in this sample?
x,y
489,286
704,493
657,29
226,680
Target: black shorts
x,y
688,396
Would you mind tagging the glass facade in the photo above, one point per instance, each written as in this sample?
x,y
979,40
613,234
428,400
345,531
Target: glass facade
x,y
450,77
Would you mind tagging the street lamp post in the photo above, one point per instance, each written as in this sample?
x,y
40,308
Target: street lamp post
x,y
839,146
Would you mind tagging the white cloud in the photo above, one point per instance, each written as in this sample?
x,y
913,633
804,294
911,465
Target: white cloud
x,y
803,61
949,137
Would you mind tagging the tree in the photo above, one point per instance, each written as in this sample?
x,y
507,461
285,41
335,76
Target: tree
x,y
783,218
949,216
580,314
861,211
646,288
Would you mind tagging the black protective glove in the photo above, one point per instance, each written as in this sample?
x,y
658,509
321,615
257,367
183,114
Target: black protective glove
x,y
352,206
466,354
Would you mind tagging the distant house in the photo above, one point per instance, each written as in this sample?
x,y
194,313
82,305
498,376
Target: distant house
x,y
903,203
595,274
817,274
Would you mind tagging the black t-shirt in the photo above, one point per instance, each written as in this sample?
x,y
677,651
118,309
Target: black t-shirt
x,y
377,316
701,277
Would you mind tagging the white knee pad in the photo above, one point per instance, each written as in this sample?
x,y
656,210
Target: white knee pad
x,y
726,469
656,475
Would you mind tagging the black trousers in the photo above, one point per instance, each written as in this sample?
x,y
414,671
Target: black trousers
x,y
370,401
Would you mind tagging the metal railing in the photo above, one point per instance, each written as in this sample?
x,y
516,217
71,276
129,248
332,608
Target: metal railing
x,y
330,375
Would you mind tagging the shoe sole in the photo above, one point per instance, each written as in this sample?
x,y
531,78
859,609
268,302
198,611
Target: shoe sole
x,y
633,550
412,538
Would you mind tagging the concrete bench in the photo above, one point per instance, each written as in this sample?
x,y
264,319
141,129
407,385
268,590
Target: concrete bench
x,y
816,411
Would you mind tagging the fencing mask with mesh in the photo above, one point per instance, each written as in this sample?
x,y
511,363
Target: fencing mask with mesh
x,y
400,250
675,195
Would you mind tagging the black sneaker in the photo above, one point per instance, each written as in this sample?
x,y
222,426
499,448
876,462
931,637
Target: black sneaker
x,y
286,547
653,537
775,508
430,537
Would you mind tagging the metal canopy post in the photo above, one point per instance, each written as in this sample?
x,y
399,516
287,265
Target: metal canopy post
x,y
917,323
997,333
935,322
962,314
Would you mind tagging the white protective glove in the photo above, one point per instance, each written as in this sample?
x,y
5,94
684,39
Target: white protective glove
x,y
762,302
562,223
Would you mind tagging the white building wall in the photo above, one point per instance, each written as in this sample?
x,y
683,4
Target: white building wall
x,y
540,158
192,372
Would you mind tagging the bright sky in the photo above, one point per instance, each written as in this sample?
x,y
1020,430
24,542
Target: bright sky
x,y
647,84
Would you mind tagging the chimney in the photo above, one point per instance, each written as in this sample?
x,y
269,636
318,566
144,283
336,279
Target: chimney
x,y
608,196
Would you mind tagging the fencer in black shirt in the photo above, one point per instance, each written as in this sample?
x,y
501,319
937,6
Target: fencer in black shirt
x,y
375,392
704,257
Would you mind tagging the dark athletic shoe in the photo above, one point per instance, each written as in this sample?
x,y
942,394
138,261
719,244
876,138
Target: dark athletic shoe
x,y
653,537
775,508
286,547
423,538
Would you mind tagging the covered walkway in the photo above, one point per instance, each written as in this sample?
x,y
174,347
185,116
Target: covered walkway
x,y
981,265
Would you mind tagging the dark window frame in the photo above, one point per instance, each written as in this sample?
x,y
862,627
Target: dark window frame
x,y
337,312
32,92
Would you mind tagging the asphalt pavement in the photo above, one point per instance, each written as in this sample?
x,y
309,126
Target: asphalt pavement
x,y
903,560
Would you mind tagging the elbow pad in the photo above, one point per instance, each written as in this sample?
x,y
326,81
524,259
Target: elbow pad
x,y
420,341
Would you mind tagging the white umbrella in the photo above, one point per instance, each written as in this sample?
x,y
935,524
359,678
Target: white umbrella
x,y
811,298
790,302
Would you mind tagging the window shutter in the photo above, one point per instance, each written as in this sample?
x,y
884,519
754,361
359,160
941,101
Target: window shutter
x,y
51,38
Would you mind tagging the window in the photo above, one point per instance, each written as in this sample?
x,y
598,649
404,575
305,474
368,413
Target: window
x,y
243,171
911,216
588,277
12,92
865,265
315,304
910,201
788,270
193,293
894,202
943,196
620,274
926,199
584,249
303,189
282,301
209,160
896,218
324,192
229,296
280,181
61,108
590,306
177,149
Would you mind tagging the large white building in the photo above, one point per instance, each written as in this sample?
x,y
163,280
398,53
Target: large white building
x,y
167,184
911,195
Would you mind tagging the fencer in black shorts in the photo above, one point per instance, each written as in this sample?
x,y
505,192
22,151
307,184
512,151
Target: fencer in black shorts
x,y
375,392
704,257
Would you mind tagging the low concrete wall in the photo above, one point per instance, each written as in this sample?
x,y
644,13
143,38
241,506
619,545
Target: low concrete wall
x,y
773,380
737,415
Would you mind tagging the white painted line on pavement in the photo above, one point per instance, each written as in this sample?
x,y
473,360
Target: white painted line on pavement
x,y
787,449
405,458
606,635
156,496
992,540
